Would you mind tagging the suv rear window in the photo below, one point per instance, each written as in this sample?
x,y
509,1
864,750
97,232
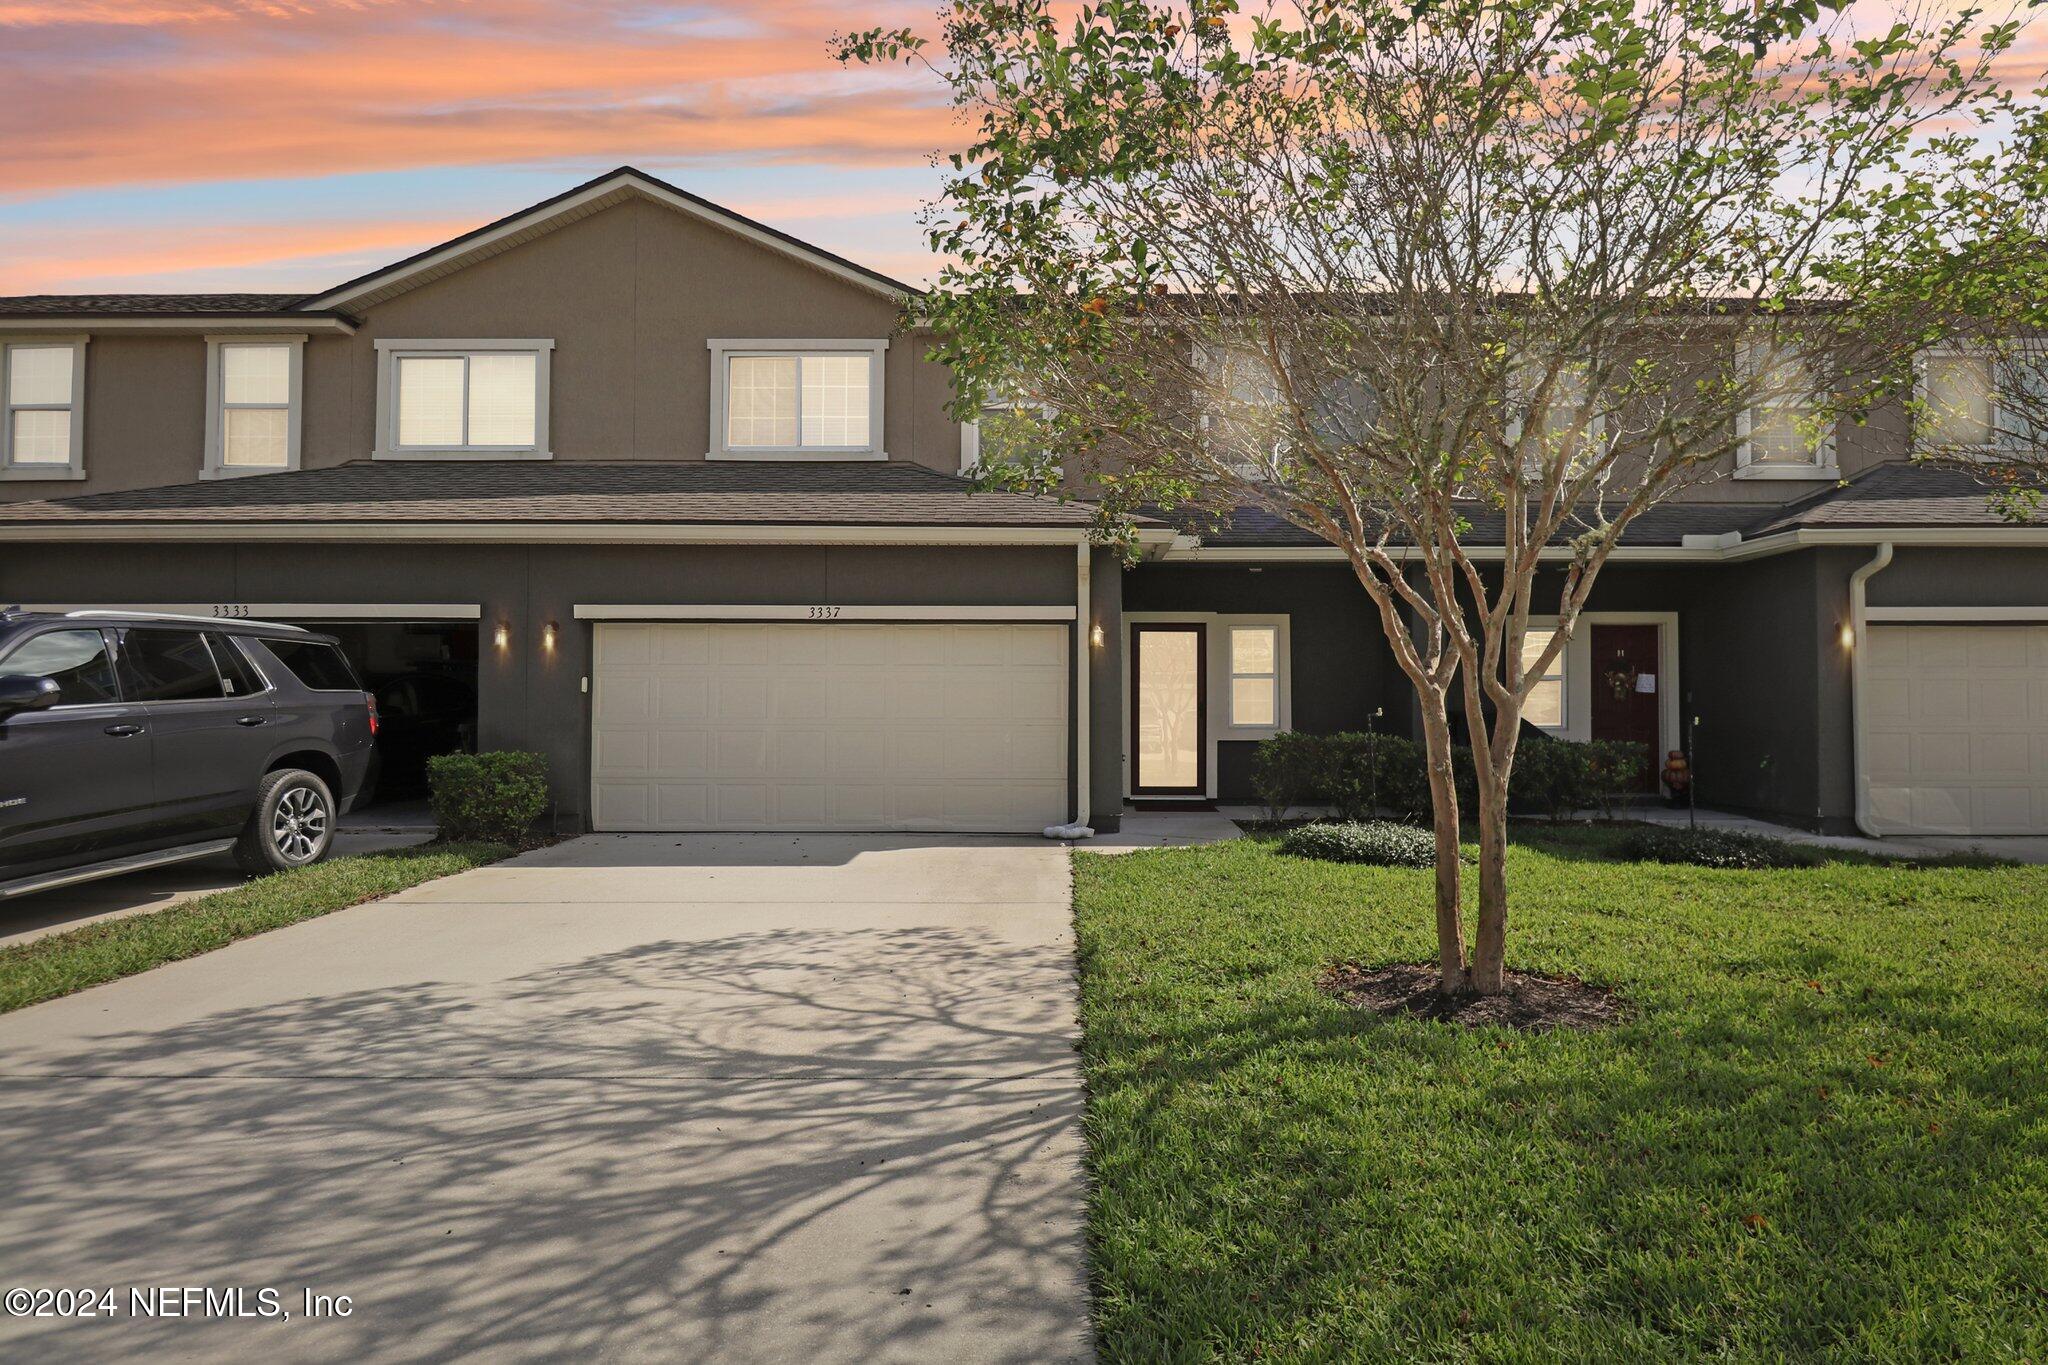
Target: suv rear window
x,y
315,663
168,665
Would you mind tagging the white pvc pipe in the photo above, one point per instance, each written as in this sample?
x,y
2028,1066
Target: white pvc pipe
x,y
1859,645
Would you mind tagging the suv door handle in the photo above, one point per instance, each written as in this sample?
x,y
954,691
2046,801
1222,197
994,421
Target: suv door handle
x,y
123,731
249,720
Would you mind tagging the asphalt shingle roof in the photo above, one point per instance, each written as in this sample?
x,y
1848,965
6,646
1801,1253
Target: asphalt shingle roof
x,y
1889,495
145,305
1665,525
1892,495
638,492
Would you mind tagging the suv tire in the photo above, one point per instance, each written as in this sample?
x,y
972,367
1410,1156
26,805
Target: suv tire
x,y
292,825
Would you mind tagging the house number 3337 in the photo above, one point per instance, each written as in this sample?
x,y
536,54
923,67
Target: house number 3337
x,y
824,613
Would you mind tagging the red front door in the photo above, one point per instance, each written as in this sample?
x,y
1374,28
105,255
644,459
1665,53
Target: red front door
x,y
1627,692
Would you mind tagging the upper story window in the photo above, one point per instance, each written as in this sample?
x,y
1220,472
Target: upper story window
x,y
796,400
1007,431
253,400
42,399
1241,407
463,400
1781,436
1571,423
1983,399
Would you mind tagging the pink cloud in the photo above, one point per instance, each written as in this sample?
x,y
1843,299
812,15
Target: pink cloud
x,y
259,88
86,260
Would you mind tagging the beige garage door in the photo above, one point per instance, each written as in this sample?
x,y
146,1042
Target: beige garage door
x,y
1957,730
733,726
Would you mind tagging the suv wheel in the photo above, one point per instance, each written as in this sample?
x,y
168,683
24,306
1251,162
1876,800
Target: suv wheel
x,y
292,825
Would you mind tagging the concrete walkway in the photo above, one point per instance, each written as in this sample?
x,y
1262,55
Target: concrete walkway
x,y
647,1097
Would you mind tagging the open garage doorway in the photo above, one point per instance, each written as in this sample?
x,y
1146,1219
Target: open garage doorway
x,y
423,674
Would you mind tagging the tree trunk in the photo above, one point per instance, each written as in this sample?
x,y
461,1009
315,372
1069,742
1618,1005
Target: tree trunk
x,y
1443,791
1490,942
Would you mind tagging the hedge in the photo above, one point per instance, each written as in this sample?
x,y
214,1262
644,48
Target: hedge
x,y
1364,775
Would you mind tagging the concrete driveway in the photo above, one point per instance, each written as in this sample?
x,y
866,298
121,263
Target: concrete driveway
x,y
644,1097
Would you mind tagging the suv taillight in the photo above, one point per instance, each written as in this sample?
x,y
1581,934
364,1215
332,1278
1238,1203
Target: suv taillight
x,y
371,698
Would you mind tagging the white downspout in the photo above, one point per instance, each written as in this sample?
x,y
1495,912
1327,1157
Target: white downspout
x,y
1084,729
1859,646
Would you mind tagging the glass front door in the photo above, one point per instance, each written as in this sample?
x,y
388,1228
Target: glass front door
x,y
1169,746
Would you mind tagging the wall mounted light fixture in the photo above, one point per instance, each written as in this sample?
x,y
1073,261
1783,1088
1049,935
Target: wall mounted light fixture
x,y
547,637
1848,635
502,636
1095,635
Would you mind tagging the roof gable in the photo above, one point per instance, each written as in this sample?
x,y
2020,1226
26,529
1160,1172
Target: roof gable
x,y
591,197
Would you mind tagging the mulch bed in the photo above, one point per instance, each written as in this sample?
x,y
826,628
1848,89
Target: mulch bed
x,y
1532,1002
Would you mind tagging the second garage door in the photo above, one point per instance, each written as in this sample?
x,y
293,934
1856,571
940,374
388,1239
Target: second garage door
x,y
786,726
1957,735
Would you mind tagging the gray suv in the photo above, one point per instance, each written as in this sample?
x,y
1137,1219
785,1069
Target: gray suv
x,y
130,740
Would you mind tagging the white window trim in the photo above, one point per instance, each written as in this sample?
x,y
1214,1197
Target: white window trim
x,y
1989,451
723,349
970,432
1824,464
389,352
25,473
216,466
1216,684
1578,674
1231,675
1517,395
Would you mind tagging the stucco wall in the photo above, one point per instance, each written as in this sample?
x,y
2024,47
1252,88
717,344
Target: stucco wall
x,y
1340,664
629,295
530,699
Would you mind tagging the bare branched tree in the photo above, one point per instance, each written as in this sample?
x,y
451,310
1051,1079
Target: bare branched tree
x,y
1463,288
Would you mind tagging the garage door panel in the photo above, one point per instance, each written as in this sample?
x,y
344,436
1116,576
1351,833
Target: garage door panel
x,y
1890,698
685,696
1039,696
1998,649
798,756
919,696
629,700
2006,755
675,651
624,752
1967,751
624,646
936,726
978,694
1998,700
680,805
671,750
799,698
859,694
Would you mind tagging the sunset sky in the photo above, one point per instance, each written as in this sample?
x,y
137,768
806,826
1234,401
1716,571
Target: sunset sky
x,y
290,144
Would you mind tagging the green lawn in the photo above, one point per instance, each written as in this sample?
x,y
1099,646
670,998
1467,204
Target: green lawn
x,y
1823,1131
62,963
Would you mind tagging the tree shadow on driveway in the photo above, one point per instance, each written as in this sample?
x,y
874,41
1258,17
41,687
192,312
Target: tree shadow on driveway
x,y
844,1143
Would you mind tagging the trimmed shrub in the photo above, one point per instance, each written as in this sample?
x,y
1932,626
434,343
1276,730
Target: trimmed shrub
x,y
491,797
1725,848
1365,775
1288,771
1380,842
